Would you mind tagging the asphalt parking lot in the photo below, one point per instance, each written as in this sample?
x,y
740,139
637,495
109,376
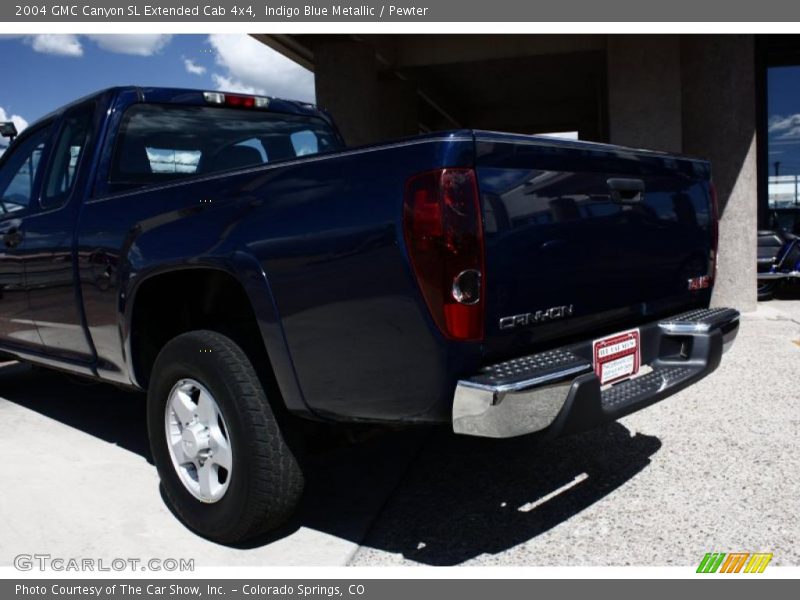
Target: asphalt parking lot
x,y
713,468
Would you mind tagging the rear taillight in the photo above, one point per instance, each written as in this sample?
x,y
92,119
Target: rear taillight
x,y
444,236
712,259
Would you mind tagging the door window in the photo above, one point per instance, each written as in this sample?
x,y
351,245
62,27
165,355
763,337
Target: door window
x,y
783,148
19,171
66,156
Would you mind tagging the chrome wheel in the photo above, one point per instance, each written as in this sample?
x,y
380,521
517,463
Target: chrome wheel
x,y
198,440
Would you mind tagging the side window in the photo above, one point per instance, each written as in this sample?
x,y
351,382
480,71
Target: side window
x,y
19,171
66,156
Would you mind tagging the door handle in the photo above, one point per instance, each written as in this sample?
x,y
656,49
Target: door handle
x,y
626,191
12,238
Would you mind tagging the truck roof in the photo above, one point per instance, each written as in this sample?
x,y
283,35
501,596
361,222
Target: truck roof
x,y
190,96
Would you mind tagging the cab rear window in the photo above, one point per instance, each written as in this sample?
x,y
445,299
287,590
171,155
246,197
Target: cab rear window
x,y
161,143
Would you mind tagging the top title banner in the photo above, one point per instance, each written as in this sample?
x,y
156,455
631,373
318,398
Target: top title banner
x,y
464,11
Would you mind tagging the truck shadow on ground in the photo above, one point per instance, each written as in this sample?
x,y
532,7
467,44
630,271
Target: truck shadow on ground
x,y
442,499
101,410
465,497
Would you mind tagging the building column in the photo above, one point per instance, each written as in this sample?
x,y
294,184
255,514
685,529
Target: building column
x,y
399,102
719,124
346,83
644,91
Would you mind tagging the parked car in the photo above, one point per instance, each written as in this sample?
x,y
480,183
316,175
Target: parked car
x,y
778,260
229,255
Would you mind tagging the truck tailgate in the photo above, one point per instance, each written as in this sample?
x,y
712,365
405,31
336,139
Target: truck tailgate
x,y
583,238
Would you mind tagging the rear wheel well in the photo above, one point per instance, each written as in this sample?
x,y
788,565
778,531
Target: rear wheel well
x,y
170,304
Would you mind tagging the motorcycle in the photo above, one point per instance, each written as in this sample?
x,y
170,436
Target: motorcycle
x,y
778,261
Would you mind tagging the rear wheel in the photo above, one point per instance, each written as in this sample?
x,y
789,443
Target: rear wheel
x,y
224,464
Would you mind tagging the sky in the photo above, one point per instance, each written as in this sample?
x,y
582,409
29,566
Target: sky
x,y
42,72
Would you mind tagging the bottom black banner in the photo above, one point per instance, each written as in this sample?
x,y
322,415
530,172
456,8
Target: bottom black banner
x,y
380,589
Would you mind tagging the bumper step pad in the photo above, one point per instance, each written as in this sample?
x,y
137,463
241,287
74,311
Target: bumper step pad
x,y
700,320
535,367
633,391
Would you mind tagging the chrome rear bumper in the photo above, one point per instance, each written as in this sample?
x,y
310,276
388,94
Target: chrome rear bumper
x,y
558,392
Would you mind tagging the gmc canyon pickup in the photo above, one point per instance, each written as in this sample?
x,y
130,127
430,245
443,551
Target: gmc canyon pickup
x,y
229,255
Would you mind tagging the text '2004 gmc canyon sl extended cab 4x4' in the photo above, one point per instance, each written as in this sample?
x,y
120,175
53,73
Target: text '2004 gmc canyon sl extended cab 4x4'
x,y
230,256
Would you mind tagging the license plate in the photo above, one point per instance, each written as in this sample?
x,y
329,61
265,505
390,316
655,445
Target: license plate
x,y
617,356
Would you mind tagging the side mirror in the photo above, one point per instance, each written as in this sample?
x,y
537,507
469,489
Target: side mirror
x,y
8,129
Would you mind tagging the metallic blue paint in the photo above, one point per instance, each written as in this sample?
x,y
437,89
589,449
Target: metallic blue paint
x,y
317,244
555,237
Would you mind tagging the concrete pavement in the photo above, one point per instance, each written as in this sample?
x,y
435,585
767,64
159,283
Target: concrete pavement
x,y
79,483
713,468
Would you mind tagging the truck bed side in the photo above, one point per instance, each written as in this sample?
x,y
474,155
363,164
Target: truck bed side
x,y
327,233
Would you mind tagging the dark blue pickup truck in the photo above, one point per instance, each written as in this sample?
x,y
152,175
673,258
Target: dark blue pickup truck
x,y
230,256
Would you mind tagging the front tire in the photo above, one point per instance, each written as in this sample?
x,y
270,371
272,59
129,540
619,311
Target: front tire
x,y
224,464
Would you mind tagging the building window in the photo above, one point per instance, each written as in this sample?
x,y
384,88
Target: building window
x,y
783,147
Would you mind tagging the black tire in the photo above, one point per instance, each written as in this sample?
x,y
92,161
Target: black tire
x,y
766,290
266,481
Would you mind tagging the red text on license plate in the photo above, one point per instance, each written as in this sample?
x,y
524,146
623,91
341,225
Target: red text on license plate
x,y
617,356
